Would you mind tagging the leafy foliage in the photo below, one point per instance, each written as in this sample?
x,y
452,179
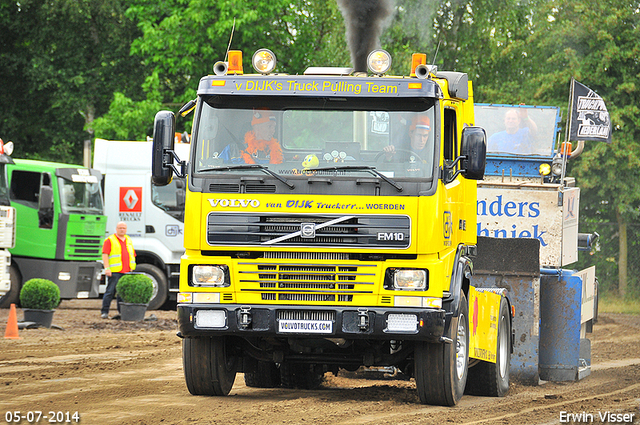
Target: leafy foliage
x,y
135,288
40,294
126,119
183,39
62,62
596,44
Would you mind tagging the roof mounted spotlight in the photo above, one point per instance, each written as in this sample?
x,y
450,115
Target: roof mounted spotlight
x,y
263,61
379,62
556,166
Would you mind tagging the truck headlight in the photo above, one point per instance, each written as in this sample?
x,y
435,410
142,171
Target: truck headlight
x,y
379,61
209,276
410,279
264,61
556,166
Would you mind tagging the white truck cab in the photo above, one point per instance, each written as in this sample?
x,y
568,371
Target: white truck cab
x,y
154,214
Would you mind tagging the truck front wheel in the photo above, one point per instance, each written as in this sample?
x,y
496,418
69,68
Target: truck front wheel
x,y
160,285
209,365
441,369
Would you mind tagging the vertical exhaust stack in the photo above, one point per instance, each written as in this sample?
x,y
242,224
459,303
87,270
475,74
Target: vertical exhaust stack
x,y
365,20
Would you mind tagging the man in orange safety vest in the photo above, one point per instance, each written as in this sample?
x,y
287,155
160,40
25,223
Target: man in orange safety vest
x,y
118,258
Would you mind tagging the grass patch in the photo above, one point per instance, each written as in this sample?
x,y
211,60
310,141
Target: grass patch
x,y
614,304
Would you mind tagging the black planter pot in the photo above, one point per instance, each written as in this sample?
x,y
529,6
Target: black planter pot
x,y
41,317
132,312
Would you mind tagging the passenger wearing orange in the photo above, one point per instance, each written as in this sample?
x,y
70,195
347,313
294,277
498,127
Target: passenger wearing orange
x,y
261,146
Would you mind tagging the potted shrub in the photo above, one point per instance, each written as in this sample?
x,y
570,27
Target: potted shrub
x,y
39,298
135,290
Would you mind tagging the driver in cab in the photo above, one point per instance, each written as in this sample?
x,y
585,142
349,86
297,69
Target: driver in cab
x,y
419,131
260,145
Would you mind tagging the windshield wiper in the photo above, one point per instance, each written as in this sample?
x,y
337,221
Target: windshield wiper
x,y
251,167
368,168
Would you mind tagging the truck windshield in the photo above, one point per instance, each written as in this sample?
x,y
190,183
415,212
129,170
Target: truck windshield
x,y
394,138
519,129
80,197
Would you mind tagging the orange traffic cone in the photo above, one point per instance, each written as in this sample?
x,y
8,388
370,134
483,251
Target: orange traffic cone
x,y
12,324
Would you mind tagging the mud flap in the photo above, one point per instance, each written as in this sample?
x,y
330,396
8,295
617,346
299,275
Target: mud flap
x,y
514,264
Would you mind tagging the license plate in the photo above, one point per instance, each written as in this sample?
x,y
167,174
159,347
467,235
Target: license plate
x,y
306,326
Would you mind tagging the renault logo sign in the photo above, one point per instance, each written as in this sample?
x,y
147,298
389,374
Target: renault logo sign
x,y
308,230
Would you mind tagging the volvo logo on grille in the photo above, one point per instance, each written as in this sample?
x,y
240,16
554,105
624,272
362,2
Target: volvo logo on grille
x,y
308,230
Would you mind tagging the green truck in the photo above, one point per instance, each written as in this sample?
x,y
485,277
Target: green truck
x,y
60,226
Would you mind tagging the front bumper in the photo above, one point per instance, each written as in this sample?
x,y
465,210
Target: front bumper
x,y
334,322
76,279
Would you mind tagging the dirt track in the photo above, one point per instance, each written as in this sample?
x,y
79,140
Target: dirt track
x,y
113,372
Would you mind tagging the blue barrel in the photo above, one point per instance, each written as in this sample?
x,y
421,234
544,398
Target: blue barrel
x,y
560,310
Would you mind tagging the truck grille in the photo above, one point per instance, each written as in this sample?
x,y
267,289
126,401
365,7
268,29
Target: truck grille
x,y
309,230
248,188
85,247
305,315
307,282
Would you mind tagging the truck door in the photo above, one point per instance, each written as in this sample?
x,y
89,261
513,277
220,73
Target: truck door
x,y
453,219
32,195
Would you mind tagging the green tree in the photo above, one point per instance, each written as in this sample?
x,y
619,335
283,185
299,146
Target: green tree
x,y
486,39
598,44
181,41
127,119
64,61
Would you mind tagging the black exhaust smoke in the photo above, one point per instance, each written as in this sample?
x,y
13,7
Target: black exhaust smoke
x,y
365,20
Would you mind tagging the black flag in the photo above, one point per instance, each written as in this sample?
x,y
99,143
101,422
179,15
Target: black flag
x,y
589,118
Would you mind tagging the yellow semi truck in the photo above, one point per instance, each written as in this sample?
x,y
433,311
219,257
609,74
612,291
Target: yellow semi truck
x,y
330,222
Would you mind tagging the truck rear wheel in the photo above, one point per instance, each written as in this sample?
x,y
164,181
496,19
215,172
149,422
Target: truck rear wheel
x,y
260,374
441,369
209,365
13,296
492,379
160,285
301,375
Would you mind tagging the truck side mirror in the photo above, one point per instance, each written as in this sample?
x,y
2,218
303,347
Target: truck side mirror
x,y
163,140
45,207
474,149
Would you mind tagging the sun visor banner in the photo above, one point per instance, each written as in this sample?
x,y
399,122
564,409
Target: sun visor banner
x,y
317,86
589,118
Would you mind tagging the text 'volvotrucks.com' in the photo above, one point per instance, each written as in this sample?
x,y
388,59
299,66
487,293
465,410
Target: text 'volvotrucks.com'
x,y
330,222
